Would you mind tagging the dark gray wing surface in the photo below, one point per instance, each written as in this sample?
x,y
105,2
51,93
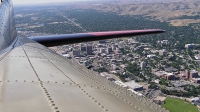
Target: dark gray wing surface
x,y
55,40
36,79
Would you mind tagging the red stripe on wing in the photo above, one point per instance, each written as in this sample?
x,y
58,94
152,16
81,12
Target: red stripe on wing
x,y
125,32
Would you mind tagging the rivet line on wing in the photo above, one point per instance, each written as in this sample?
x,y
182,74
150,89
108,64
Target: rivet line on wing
x,y
51,101
124,90
104,88
2,57
87,94
92,98
42,86
47,51
58,68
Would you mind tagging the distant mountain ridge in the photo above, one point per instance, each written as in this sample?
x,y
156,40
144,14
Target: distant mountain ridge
x,y
177,13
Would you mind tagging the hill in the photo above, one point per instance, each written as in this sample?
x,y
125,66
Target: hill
x,y
177,13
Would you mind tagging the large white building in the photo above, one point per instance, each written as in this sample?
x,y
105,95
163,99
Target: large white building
x,y
190,46
151,56
135,86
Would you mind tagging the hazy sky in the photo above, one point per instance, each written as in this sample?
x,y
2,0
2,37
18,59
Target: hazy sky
x,y
15,2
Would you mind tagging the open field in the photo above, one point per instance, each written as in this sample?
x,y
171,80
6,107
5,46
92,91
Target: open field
x,y
178,105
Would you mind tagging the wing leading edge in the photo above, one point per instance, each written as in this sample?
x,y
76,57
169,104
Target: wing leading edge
x,y
55,40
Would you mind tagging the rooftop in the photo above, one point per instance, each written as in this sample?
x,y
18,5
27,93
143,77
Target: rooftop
x,y
133,84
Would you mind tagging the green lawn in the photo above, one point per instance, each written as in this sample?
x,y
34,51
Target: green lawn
x,y
177,105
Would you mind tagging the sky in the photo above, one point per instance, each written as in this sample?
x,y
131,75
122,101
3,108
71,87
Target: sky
x,y
16,2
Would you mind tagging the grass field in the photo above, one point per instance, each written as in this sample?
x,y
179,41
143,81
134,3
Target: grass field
x,y
177,105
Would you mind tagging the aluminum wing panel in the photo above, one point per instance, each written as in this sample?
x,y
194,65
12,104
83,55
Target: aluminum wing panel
x,y
34,78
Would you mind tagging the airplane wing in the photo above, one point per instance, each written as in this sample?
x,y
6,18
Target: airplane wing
x,y
55,40
34,78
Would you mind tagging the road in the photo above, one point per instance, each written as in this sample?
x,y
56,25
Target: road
x,y
72,21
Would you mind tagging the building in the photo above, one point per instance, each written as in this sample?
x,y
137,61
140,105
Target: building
x,y
111,78
67,55
89,50
197,104
135,86
99,45
115,67
151,56
169,76
165,42
147,49
113,47
163,74
163,52
86,63
196,80
102,50
83,48
113,61
157,81
159,100
109,50
190,46
195,99
117,51
193,74
102,41
171,69
160,73
76,53
143,65
123,66
182,75
197,57
105,74
187,74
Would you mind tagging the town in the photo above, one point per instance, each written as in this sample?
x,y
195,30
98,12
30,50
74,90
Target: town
x,y
118,60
